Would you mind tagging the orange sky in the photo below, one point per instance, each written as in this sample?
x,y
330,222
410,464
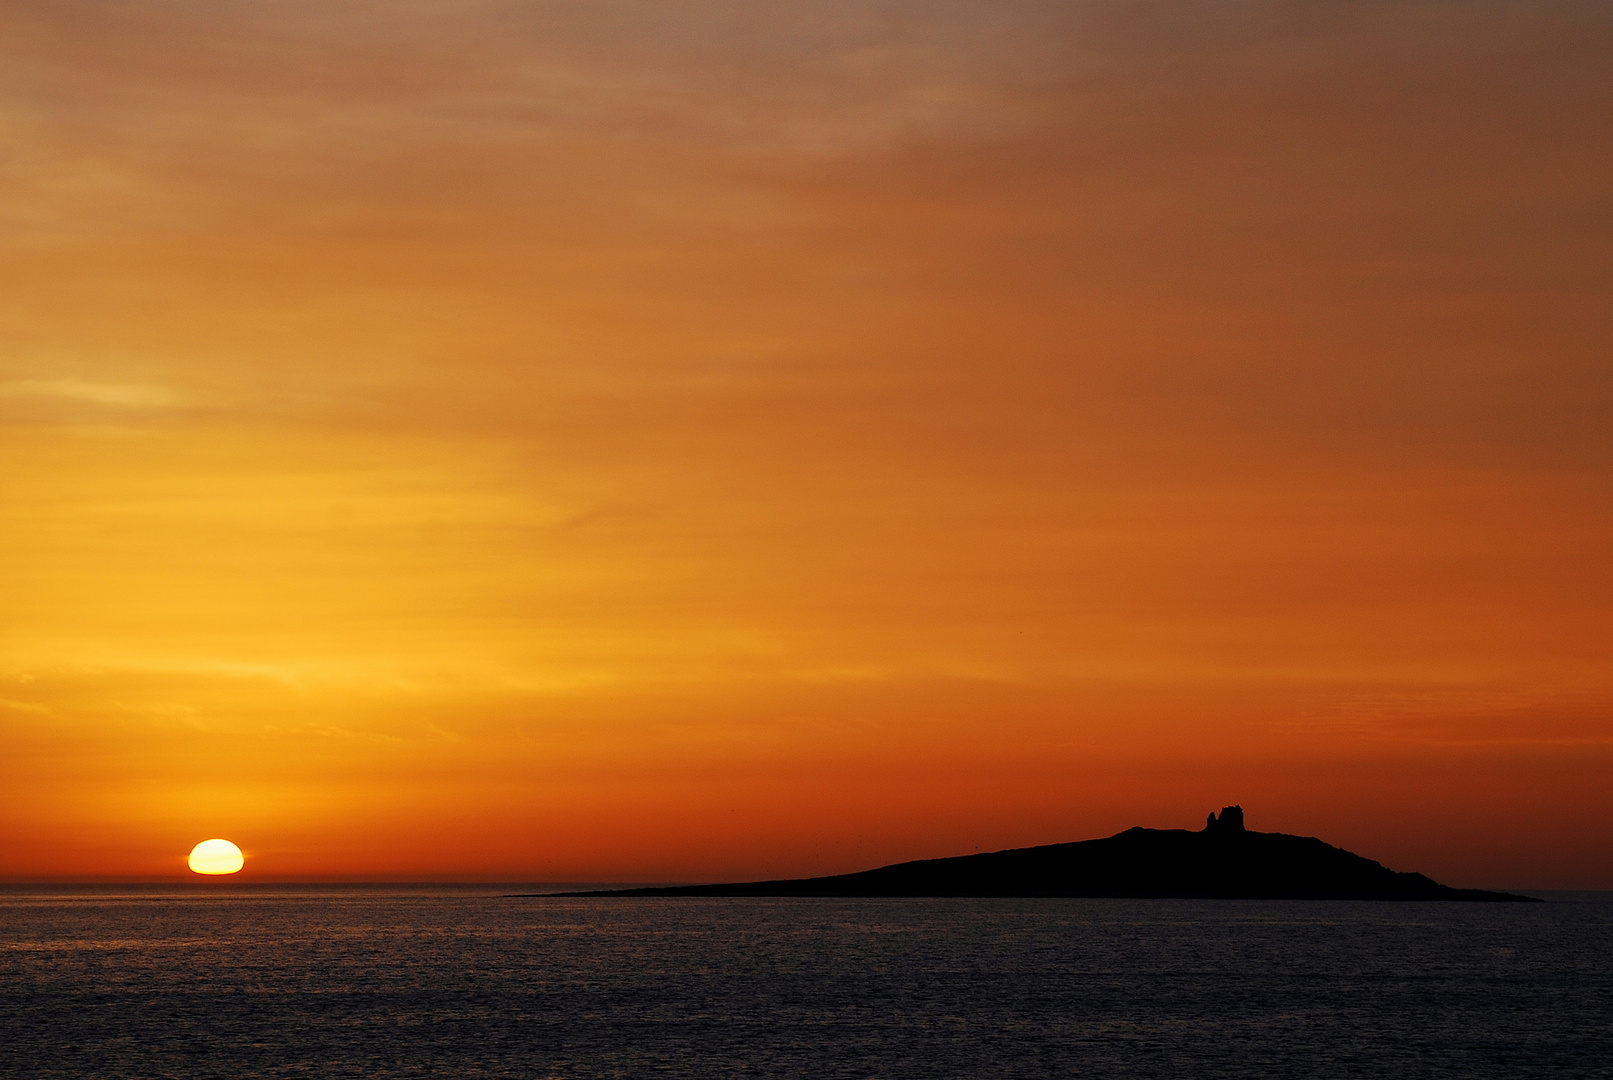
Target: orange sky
x,y
621,441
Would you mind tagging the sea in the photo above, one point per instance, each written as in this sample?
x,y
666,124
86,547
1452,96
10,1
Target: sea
x,y
471,982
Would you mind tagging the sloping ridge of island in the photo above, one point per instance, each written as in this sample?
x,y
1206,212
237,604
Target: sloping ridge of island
x,y
1223,861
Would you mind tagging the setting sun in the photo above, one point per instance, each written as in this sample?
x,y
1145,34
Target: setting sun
x,y
216,857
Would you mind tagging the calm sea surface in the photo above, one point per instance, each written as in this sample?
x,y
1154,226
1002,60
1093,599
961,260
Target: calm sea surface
x,y
442,983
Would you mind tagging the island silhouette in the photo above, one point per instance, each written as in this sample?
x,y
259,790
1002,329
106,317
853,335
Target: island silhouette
x,y
1222,861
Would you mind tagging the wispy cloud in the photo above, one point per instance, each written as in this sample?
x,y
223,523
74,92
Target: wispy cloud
x,y
110,395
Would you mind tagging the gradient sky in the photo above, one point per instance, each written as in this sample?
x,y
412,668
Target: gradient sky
x,y
612,440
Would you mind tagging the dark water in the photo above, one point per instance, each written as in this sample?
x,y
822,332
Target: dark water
x,y
382,984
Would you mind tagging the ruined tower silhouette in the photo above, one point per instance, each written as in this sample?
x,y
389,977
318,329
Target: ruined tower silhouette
x,y
1231,820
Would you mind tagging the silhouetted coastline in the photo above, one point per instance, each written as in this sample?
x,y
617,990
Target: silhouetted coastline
x,y
1222,861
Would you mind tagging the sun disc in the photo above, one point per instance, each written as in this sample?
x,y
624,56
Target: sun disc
x,y
216,857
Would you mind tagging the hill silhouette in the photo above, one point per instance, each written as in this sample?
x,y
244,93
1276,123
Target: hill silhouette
x,y
1223,861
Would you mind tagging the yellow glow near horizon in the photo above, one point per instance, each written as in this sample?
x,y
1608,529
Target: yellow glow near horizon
x,y
216,857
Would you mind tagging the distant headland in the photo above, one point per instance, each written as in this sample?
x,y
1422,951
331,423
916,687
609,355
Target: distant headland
x,y
1222,861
